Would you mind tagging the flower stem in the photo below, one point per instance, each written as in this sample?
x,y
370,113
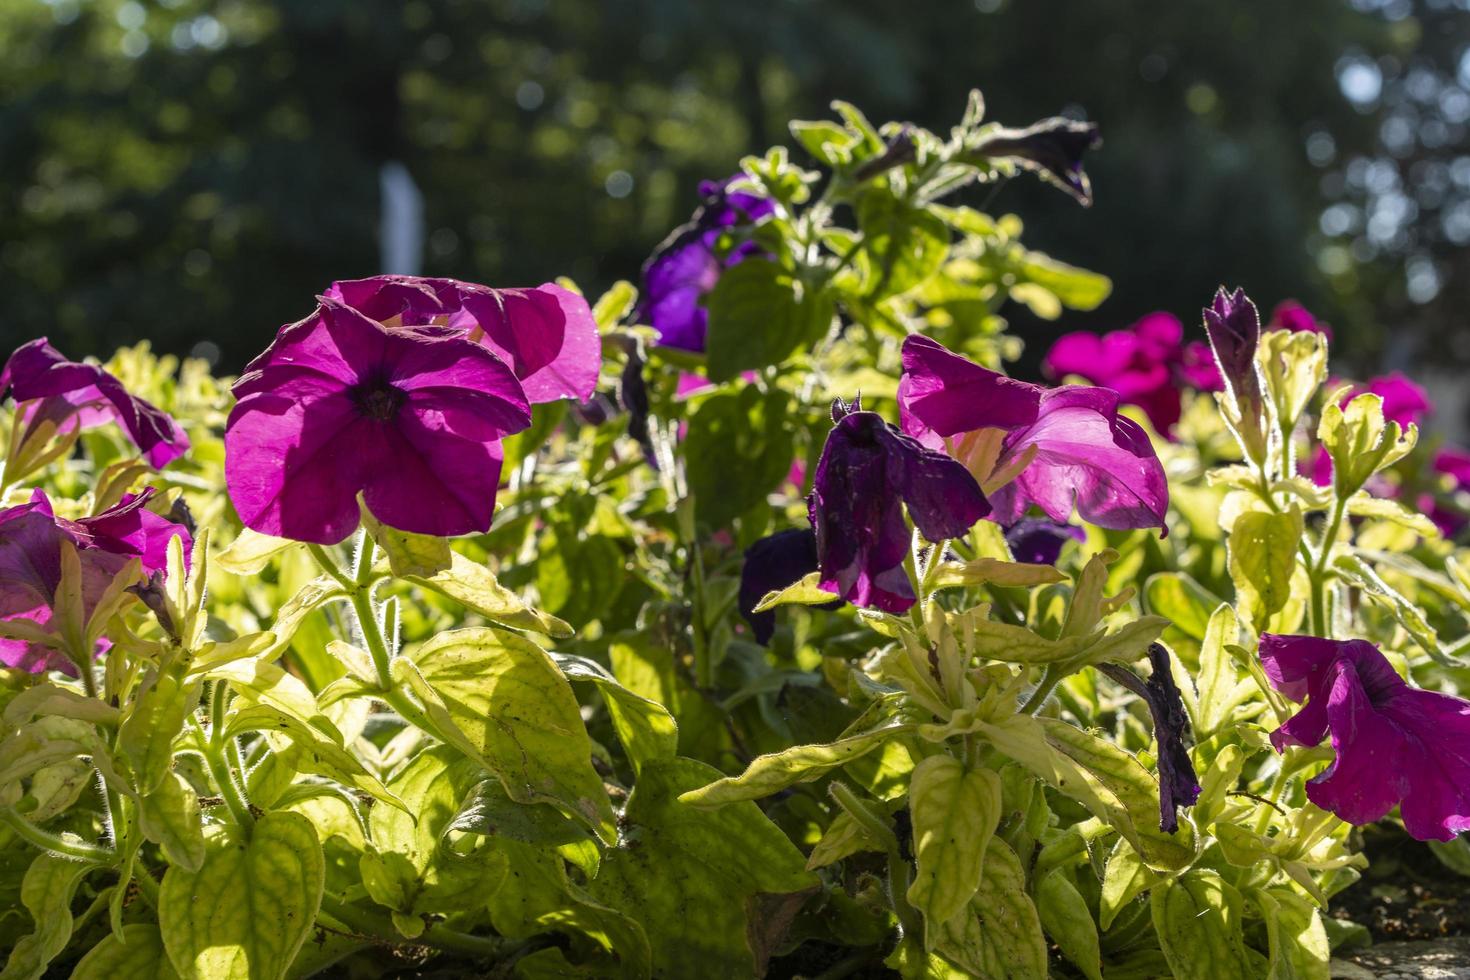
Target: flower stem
x,y
1317,572
55,844
899,873
1050,678
370,924
216,758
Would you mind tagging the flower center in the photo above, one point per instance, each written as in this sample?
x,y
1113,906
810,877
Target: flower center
x,y
377,400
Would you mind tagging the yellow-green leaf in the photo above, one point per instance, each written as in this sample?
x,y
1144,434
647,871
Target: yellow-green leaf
x,y
999,936
775,771
955,811
475,587
136,955
803,592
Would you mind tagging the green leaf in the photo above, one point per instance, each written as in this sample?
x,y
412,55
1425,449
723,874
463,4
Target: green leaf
x,y
411,870
146,737
993,571
713,890
738,450
999,937
1297,938
504,701
47,890
1124,879
955,811
645,727
578,574
490,812
1408,614
50,701
475,587
759,315
1077,289
825,141
1263,551
169,816
246,912
803,592
775,771
1222,689
251,551
1360,441
307,600
1197,917
906,244
614,304
1068,921
136,955
1182,601
407,553
843,838
322,752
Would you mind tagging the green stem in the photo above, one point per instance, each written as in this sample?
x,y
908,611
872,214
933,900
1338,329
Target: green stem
x,y
367,923
1274,795
47,841
372,635
329,565
216,752
899,873
1050,678
1317,572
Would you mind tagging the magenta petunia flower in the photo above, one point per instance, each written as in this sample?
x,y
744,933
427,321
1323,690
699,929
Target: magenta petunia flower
x,y
340,405
688,264
1395,745
1087,456
1293,316
50,387
31,537
1148,365
867,471
547,335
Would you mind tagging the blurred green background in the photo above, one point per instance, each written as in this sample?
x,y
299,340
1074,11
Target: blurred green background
x,y
194,173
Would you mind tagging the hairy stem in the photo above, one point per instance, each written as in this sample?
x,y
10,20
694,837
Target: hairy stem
x,y
54,843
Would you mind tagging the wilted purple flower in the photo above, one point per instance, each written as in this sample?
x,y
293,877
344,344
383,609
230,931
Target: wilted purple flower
x,y
866,471
31,538
69,393
688,263
1087,457
1234,329
340,405
1147,364
547,335
772,563
1039,541
1394,745
1178,784
1052,148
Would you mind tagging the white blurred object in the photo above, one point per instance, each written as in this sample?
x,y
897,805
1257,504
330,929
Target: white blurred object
x,y
401,226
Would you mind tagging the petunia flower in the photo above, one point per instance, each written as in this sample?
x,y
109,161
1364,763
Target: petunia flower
x,y
1061,449
772,563
867,471
1234,329
688,263
1148,365
547,334
340,405
31,538
1178,784
71,393
1394,745
1052,148
1039,541
1293,316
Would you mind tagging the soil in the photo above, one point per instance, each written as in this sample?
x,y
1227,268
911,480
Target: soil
x,y
1405,893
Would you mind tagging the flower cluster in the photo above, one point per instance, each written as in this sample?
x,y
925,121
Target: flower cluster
x,y
400,389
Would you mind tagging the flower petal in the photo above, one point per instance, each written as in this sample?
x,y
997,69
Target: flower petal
x,y
942,393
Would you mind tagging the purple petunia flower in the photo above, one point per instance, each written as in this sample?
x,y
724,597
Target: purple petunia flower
x,y
1234,329
1038,541
1087,457
1052,148
1293,316
84,395
688,264
340,405
1148,365
1178,784
866,471
547,335
1395,745
31,537
772,563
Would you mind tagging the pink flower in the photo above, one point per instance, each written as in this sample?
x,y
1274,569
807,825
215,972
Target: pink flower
x,y
1293,316
1394,745
1147,365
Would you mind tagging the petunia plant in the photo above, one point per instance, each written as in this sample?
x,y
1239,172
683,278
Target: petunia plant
x,y
749,620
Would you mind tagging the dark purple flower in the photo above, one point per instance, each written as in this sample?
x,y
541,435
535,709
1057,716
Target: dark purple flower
x,y
340,405
1039,541
1178,784
31,538
1234,329
689,263
1394,745
1293,316
1053,148
1083,454
1147,364
773,563
85,395
867,470
547,334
